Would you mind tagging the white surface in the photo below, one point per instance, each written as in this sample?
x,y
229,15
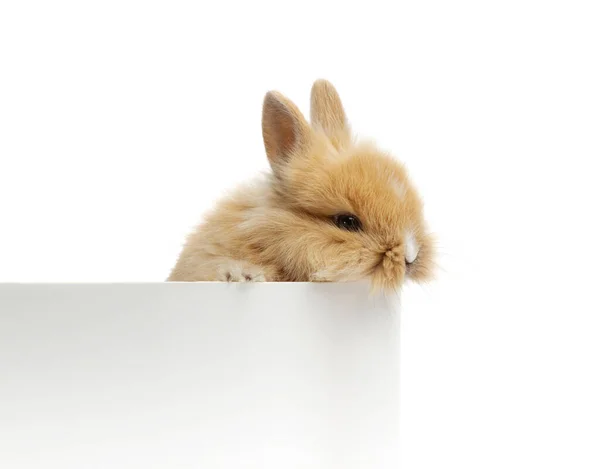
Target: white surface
x,y
121,121
197,375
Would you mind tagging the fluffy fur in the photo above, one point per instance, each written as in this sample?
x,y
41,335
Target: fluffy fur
x,y
280,228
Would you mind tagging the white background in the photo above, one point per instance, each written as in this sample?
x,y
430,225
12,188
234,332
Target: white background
x,y
122,121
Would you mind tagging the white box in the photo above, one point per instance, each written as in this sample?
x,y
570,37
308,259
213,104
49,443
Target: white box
x,y
198,375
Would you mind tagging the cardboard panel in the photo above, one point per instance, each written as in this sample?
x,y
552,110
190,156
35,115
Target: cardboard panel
x,y
203,375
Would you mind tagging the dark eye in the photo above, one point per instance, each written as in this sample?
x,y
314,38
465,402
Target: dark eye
x,y
347,222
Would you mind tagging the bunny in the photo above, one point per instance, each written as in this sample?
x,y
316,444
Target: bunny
x,y
332,209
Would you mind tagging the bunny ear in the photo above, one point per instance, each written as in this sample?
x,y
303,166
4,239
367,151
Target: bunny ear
x,y
327,112
285,131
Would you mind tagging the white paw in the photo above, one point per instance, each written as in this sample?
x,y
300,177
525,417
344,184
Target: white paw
x,y
241,272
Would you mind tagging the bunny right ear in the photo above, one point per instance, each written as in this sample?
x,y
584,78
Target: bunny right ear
x,y
285,131
327,112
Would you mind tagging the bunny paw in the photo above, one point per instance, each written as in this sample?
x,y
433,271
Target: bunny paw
x,y
241,272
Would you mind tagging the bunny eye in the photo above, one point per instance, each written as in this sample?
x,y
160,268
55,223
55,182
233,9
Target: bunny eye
x,y
347,222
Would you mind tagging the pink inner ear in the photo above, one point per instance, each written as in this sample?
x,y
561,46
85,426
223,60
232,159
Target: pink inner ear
x,y
286,132
284,128
280,132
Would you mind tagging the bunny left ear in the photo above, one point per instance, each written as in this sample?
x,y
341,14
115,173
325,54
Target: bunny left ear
x,y
327,112
285,131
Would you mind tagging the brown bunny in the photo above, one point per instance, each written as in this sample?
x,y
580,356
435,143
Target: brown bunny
x,y
332,210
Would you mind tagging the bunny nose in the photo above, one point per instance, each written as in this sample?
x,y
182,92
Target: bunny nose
x,y
394,254
411,248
